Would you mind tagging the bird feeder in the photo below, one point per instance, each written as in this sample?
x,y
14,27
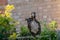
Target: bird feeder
x,y
33,25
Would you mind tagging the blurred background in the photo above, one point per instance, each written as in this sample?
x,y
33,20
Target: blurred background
x,y
45,10
49,9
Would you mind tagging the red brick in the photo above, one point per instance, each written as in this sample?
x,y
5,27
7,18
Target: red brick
x,y
3,2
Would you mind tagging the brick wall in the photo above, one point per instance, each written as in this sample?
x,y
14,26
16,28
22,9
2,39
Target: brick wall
x,y
49,9
45,9
3,2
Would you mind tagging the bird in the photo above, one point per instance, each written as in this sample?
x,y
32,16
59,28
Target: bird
x,y
33,24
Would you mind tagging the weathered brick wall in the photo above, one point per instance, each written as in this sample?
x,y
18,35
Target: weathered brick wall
x,y
49,9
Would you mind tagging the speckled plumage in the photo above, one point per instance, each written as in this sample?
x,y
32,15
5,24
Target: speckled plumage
x,y
33,25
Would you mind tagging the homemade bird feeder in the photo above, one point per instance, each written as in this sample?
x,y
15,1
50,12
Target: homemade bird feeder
x,y
34,25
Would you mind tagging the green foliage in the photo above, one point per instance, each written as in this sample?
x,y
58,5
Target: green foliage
x,y
51,34
49,30
46,33
53,25
6,26
13,36
24,31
